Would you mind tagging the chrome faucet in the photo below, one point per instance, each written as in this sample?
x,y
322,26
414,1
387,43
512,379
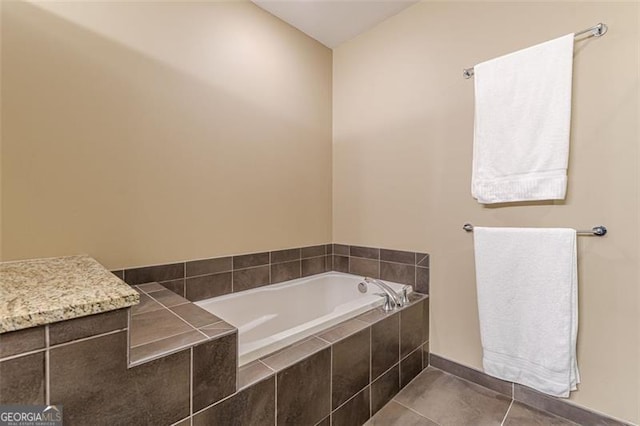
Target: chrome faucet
x,y
391,298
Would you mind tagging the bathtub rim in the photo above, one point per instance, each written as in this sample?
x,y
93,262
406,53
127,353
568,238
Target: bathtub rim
x,y
307,329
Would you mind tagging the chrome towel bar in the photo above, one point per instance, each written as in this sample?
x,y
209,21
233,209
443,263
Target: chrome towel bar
x,y
597,231
596,31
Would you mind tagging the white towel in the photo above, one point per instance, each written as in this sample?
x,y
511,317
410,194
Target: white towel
x,y
528,305
522,121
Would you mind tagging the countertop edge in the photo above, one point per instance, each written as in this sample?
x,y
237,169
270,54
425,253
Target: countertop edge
x,y
34,319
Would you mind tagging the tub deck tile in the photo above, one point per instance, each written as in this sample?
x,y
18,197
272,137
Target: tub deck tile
x,y
165,323
147,304
156,325
217,330
294,353
342,330
195,315
164,347
252,373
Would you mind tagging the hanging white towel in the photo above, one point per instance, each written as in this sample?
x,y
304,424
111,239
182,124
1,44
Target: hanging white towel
x,y
522,122
528,304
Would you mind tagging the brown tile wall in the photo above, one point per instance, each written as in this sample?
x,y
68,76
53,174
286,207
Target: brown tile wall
x,y
202,279
343,375
83,364
399,266
206,278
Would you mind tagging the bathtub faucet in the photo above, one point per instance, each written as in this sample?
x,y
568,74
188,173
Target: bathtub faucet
x,y
392,300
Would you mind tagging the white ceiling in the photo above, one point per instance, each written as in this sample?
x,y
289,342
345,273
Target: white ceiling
x,y
332,22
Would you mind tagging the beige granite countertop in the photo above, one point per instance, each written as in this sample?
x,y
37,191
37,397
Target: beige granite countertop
x,y
42,291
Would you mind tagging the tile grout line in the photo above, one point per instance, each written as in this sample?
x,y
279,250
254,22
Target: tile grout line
x,y
507,413
272,369
191,384
350,398
331,386
21,354
287,365
163,338
84,339
178,316
275,395
414,411
397,364
47,366
129,315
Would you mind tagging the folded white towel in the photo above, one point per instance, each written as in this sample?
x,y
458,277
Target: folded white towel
x,y
528,305
522,121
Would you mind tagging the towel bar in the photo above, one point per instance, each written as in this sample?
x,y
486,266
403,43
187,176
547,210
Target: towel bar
x,y
597,231
596,31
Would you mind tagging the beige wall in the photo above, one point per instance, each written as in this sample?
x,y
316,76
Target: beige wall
x,y
150,132
403,118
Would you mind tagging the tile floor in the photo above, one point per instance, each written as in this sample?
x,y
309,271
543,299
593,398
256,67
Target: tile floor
x,y
438,398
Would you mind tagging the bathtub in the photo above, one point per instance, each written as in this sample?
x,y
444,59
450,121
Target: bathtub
x,y
271,317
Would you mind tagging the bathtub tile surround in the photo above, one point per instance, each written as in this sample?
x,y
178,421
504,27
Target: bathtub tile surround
x,y
304,390
252,373
285,271
385,344
174,374
365,267
294,353
384,388
204,286
42,291
246,279
411,335
342,330
399,266
159,273
355,411
66,331
214,370
176,286
538,406
87,369
208,266
23,379
325,378
250,260
410,367
202,279
16,342
314,265
156,392
252,405
351,370
166,323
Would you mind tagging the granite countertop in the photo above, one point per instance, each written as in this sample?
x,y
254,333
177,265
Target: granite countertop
x,y
42,291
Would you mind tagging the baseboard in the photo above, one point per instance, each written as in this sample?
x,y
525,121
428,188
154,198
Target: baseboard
x,y
525,395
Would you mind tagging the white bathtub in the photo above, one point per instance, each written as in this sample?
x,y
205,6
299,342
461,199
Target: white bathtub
x,y
272,317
